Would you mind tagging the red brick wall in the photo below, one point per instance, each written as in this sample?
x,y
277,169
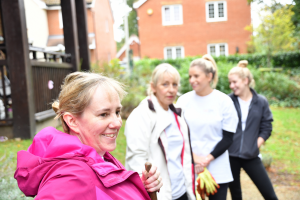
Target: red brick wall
x,y
106,48
195,33
53,22
96,19
135,49
90,21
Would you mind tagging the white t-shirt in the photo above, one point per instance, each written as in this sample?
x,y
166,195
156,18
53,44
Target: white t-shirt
x,y
244,105
175,144
207,117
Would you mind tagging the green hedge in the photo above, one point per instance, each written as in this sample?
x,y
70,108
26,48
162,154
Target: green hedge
x,y
278,87
285,59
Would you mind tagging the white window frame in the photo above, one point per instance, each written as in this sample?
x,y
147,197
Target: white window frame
x,y
173,51
172,16
217,47
216,11
61,24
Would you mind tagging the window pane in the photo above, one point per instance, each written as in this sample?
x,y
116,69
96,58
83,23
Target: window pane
x,y
222,50
178,52
211,10
212,50
169,53
176,13
221,10
167,14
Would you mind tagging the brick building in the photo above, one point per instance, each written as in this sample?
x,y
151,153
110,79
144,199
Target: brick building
x,y
45,27
134,45
173,29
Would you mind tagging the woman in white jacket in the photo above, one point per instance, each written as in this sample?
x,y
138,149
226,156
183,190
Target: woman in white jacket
x,y
156,132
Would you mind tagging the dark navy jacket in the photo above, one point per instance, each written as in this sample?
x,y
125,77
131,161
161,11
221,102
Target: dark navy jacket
x,y
258,124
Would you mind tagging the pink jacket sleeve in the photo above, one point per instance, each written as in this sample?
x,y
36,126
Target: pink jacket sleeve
x,y
69,179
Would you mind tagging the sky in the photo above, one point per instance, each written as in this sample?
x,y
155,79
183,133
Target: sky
x,y
119,10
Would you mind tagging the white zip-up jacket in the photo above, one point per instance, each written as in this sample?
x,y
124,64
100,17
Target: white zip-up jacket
x,y
146,141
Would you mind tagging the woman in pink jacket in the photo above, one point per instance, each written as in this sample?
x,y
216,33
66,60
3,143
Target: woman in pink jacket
x,y
76,163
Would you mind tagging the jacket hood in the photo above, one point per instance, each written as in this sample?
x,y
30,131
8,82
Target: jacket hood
x,y
50,146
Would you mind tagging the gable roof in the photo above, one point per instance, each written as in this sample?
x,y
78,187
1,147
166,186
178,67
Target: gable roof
x,y
130,40
137,4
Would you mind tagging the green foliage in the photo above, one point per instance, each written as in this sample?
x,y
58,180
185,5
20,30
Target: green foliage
x,y
136,83
275,33
9,190
279,89
287,95
282,59
8,185
132,19
296,17
120,152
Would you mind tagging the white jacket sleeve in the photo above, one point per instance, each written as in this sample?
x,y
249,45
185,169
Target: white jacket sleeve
x,y
138,134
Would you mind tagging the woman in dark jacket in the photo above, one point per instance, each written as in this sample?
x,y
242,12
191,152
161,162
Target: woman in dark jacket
x,y
254,128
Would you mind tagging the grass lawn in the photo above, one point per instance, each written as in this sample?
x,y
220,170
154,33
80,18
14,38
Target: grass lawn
x,y
283,145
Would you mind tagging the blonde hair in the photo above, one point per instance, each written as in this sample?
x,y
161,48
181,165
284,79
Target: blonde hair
x,y
77,91
208,65
159,71
243,72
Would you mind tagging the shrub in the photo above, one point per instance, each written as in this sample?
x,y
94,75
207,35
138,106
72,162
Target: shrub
x,y
136,84
278,88
287,59
284,59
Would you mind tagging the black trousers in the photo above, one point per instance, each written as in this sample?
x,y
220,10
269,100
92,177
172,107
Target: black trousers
x,y
256,171
183,197
221,193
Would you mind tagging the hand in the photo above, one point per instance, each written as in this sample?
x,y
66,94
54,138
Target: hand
x,y
198,168
203,161
152,181
260,141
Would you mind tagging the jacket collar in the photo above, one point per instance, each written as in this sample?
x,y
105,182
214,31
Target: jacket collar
x,y
254,96
175,110
162,117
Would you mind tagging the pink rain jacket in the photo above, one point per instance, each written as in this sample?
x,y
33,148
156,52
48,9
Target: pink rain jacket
x,y
58,166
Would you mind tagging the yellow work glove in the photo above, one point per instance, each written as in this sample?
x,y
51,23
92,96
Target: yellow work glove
x,y
206,185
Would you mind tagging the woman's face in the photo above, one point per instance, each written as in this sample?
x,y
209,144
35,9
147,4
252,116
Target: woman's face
x,y
237,84
165,90
100,122
199,80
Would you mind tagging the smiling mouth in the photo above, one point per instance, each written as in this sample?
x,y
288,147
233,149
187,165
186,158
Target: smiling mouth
x,y
110,135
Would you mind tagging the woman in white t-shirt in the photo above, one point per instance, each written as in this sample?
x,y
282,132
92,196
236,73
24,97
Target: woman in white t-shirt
x,y
156,132
254,128
212,119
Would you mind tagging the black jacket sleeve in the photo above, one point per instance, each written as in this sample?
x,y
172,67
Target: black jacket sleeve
x,y
223,145
266,121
